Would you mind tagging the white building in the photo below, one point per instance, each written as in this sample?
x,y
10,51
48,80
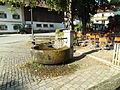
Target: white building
x,y
37,26
102,17
9,21
118,11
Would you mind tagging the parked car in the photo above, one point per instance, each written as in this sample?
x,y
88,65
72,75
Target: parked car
x,y
25,28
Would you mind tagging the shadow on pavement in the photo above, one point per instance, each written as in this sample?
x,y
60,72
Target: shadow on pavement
x,y
118,88
82,56
11,85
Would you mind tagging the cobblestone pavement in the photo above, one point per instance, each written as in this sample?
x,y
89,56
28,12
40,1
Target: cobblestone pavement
x,y
12,55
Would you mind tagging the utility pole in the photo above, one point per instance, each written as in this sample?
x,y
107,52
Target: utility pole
x,y
31,12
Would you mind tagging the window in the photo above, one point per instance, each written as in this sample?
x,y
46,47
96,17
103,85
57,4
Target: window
x,y
102,15
103,21
3,15
45,25
3,27
16,26
51,25
16,16
38,25
2,3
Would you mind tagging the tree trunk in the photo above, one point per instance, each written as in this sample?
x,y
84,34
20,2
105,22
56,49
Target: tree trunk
x,y
85,19
84,25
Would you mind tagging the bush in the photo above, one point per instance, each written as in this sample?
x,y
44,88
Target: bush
x,y
60,31
78,27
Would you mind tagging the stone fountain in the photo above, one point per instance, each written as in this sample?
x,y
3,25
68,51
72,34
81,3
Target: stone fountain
x,y
54,54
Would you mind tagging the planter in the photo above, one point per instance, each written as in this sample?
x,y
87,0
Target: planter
x,y
46,55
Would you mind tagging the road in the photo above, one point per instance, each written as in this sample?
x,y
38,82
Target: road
x,y
12,38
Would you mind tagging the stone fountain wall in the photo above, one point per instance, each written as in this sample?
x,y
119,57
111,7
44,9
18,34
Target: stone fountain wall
x,y
62,47
59,43
50,56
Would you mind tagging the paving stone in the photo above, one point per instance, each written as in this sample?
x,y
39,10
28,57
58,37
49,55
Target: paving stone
x,y
50,88
11,88
80,88
64,88
61,82
11,77
68,85
75,85
18,88
42,83
42,88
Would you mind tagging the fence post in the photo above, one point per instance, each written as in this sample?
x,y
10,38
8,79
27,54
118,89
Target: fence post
x,y
116,54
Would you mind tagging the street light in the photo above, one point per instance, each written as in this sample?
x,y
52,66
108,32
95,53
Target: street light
x,y
31,12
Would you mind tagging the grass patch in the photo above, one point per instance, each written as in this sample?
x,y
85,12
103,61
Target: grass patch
x,y
48,71
29,43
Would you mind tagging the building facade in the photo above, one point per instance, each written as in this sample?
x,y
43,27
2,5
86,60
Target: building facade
x,y
8,20
102,17
117,12
42,19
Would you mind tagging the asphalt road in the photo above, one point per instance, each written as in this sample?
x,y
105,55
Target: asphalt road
x,y
12,38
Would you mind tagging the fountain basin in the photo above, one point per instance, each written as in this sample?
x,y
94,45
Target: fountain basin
x,y
46,55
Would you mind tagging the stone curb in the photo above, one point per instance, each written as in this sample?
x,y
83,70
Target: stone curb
x,y
110,84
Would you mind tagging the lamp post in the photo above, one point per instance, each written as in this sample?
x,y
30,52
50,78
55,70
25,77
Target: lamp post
x,y
31,13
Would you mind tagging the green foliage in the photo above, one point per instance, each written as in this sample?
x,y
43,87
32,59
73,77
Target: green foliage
x,y
22,28
114,23
29,43
78,27
79,8
115,1
12,9
58,5
60,31
75,42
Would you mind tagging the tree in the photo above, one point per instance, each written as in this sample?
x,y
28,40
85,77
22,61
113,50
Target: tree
x,y
64,6
84,9
74,8
103,4
80,8
115,2
114,24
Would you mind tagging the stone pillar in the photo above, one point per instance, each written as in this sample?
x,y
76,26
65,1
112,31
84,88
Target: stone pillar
x,y
68,41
